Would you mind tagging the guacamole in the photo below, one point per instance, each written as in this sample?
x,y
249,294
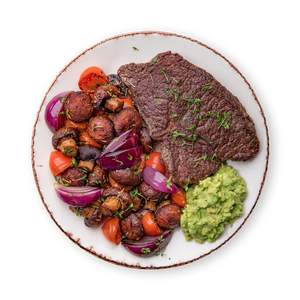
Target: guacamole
x,y
212,204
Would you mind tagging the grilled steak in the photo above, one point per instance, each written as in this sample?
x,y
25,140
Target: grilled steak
x,y
197,121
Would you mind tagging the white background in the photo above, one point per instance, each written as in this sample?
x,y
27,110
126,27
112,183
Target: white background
x,y
38,38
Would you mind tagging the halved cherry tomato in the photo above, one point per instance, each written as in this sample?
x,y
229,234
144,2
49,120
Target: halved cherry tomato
x,y
154,162
111,230
91,78
59,162
79,126
150,226
87,140
179,198
127,102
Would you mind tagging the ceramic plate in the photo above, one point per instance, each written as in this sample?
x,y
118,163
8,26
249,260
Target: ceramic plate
x,y
110,55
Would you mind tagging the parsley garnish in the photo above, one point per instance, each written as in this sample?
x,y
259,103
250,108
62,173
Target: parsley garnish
x,y
146,250
74,162
169,183
135,193
130,157
164,72
223,119
186,187
206,87
135,48
172,92
192,128
194,101
176,134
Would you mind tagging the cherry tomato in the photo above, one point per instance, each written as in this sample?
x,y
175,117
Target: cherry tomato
x,y
91,78
111,230
154,161
87,140
59,162
179,198
150,226
127,102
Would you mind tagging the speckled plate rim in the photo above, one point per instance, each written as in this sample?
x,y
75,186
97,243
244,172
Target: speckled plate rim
x,y
90,250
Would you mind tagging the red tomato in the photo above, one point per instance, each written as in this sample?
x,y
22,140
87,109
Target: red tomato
x,y
91,78
179,198
59,162
150,226
111,230
154,162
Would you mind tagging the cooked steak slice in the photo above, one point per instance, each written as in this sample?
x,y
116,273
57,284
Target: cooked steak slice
x,y
197,120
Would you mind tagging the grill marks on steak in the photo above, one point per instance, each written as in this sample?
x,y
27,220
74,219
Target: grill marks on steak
x,y
184,108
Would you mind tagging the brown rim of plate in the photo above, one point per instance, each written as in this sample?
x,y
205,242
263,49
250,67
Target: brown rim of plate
x,y
90,249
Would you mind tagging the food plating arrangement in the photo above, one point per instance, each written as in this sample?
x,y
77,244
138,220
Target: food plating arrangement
x,y
142,153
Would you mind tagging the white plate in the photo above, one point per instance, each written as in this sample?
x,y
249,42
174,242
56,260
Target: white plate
x,y
110,55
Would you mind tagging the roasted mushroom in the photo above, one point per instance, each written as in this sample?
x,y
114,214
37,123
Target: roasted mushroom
x,y
65,140
132,227
126,176
101,129
149,193
126,119
78,106
123,197
97,177
168,216
73,177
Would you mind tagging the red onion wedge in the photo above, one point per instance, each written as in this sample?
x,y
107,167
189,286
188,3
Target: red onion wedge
x,y
148,245
53,116
120,159
158,181
78,196
126,140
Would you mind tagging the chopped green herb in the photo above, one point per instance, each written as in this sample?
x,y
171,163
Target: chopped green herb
x,y
154,60
194,101
206,87
164,72
191,138
146,250
130,157
159,241
207,157
172,92
135,48
74,162
223,119
192,128
77,211
135,193
176,134
67,114
186,187
169,183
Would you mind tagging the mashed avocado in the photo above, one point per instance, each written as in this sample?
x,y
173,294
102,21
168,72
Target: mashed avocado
x,y
212,204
